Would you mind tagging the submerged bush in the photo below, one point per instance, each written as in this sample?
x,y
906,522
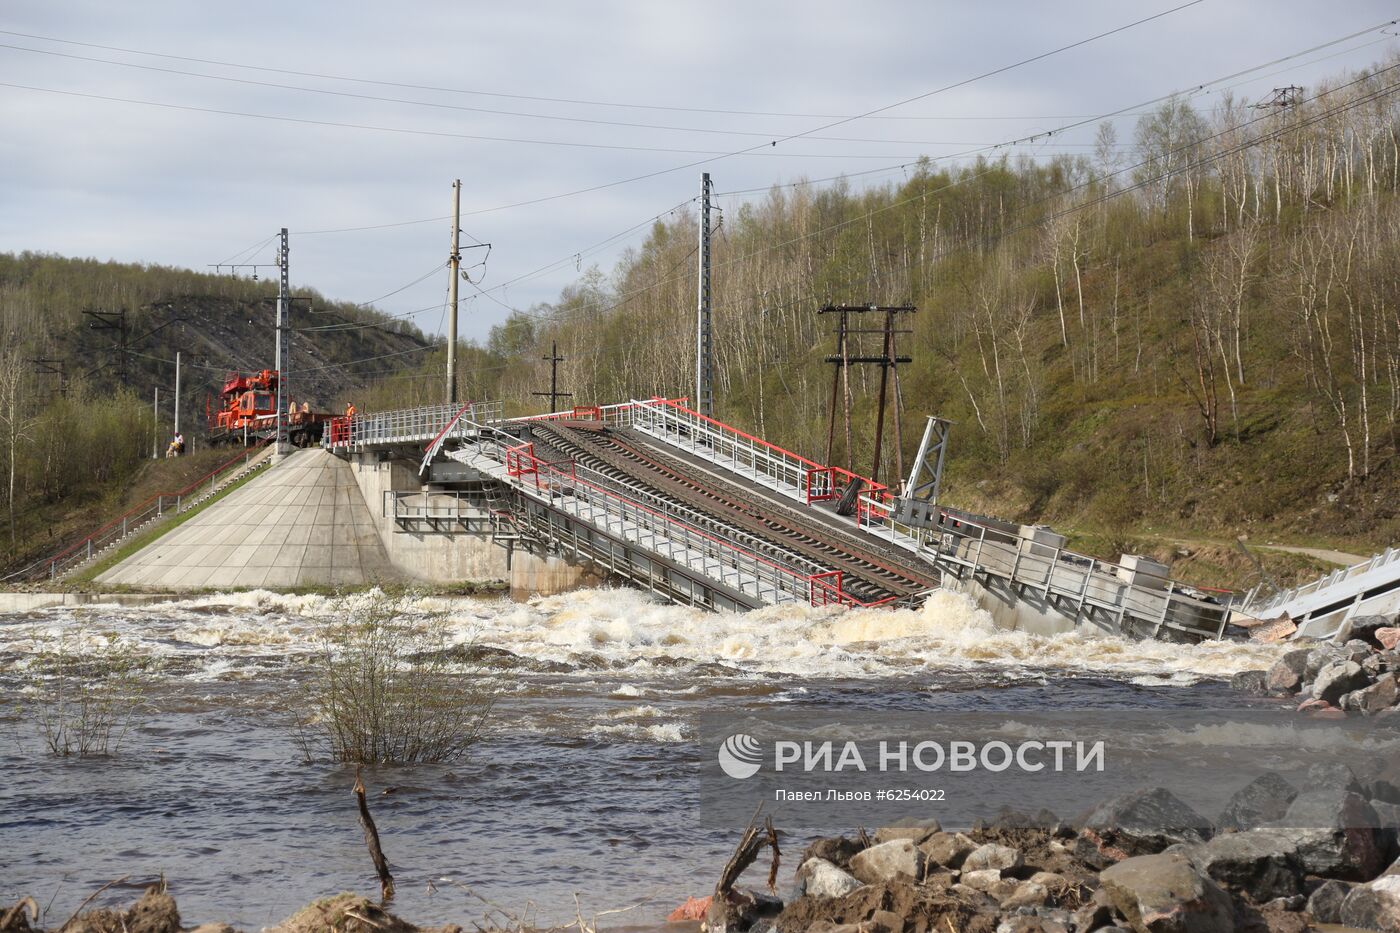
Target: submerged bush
x,y
388,686
82,700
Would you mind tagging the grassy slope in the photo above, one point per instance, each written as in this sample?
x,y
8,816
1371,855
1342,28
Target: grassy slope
x,y
89,574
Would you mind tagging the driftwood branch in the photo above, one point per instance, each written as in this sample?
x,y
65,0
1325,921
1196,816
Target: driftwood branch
x,y
777,855
13,917
90,898
381,864
746,853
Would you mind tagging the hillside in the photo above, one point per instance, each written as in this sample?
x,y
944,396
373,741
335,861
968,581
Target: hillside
x,y
1190,336
71,444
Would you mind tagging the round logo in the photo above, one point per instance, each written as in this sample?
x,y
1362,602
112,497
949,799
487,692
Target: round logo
x,y
740,756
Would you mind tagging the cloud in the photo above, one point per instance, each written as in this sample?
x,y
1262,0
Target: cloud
x,y
152,184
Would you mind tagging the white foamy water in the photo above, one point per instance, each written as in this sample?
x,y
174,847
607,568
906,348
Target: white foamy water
x,y
629,631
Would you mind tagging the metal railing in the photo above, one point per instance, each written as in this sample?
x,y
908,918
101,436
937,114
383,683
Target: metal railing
x,y
1073,578
405,425
617,415
659,527
791,474
142,516
436,508
1278,600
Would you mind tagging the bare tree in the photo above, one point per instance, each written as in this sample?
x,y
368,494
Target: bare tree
x,y
15,422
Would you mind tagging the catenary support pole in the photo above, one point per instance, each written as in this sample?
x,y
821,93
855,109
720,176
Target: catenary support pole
x,y
177,391
704,345
155,426
282,354
454,262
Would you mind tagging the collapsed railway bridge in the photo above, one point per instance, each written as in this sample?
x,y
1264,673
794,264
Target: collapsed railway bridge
x,y
707,515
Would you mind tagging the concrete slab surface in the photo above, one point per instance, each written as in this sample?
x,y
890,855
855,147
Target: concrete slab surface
x,y
300,522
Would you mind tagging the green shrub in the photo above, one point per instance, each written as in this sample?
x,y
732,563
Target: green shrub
x,y
388,686
83,700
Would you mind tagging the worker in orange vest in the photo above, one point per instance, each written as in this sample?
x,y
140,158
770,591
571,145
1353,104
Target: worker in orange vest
x,y
350,410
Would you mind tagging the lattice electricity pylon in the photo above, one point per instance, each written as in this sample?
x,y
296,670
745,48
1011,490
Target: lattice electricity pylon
x,y
920,497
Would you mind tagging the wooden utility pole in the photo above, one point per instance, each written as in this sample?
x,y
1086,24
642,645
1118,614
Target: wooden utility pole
x,y
554,394
113,320
454,263
53,367
888,359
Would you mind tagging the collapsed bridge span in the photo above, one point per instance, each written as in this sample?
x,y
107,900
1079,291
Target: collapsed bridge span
x,y
707,515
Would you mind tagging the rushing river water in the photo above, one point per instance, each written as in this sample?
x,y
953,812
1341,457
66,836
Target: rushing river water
x,y
585,784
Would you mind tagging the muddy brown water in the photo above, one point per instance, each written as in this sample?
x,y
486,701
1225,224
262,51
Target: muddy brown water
x,y
586,784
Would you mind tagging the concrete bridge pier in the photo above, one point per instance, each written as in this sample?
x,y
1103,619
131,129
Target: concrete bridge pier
x,y
457,548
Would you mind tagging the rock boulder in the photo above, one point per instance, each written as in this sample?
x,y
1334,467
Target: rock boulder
x,y
918,832
1260,862
889,861
948,849
1337,679
1250,682
991,855
817,877
1333,831
1374,906
1262,800
1286,676
1139,823
1325,903
1166,893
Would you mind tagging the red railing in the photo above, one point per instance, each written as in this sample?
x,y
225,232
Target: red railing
x,y
449,426
820,589
338,430
817,482
604,413
521,460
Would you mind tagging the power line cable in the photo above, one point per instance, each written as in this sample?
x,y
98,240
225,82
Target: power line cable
x,y
509,96
1123,111
461,108
739,260
443,134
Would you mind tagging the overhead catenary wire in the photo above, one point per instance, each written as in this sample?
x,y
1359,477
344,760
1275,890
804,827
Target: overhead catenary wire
x,y
1081,121
555,314
441,134
619,300
503,95
542,116
436,105
1198,88
770,144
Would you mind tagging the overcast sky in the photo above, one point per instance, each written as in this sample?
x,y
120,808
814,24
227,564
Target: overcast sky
x,y
112,179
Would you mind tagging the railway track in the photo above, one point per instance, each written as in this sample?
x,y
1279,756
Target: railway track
x,y
554,449
868,575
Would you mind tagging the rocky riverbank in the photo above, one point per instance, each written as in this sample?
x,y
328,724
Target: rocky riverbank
x,y
1356,671
1279,858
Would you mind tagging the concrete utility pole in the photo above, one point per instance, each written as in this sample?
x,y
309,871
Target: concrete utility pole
x,y
155,431
704,400
554,394
283,353
177,391
454,262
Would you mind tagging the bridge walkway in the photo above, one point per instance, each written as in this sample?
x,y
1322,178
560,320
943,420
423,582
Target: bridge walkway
x,y
1319,608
